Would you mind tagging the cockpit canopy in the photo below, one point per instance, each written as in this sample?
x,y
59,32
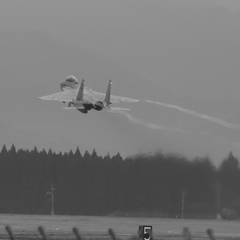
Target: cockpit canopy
x,y
71,79
70,82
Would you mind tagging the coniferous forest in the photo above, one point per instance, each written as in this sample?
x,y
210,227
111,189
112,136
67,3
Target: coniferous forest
x,y
163,185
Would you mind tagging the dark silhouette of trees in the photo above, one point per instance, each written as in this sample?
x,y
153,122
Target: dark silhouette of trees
x,y
88,184
229,181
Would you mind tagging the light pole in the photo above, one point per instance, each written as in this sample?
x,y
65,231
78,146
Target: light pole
x,y
52,198
183,199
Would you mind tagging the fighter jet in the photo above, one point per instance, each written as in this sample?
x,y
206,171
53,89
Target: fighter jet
x,y
84,99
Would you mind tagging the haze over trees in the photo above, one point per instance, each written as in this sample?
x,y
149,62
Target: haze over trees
x,y
144,185
184,53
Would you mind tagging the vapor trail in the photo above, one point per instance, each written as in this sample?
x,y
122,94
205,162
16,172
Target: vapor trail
x,y
165,128
213,119
147,124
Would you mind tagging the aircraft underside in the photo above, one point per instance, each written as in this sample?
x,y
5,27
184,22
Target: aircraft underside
x,y
83,111
90,106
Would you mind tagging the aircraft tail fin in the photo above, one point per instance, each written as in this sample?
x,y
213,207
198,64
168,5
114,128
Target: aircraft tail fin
x,y
80,91
108,94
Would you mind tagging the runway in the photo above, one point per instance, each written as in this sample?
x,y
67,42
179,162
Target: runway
x,y
60,227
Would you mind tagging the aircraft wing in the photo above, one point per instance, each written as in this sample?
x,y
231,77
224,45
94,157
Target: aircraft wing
x,y
66,96
97,96
69,94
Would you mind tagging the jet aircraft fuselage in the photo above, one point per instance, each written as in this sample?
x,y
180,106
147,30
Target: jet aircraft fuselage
x,y
85,99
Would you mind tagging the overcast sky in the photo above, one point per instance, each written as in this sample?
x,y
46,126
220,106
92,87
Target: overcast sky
x,y
182,55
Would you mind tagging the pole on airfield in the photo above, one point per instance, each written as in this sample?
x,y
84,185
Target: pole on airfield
x,y
52,198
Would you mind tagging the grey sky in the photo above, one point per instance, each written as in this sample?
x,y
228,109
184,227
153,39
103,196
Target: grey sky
x,y
184,53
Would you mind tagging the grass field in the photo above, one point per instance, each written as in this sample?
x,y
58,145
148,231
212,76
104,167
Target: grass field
x,y
60,227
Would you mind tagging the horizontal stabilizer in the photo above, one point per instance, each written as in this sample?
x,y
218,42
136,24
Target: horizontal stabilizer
x,y
116,99
120,109
73,108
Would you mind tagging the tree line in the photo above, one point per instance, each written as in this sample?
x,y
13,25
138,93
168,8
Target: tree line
x,y
87,184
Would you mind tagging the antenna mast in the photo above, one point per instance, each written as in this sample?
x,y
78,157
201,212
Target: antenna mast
x,y
52,197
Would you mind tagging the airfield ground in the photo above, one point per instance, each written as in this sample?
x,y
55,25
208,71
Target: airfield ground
x,y
60,227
